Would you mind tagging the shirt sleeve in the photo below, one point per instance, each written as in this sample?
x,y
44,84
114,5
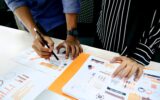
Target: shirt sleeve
x,y
71,6
14,4
148,44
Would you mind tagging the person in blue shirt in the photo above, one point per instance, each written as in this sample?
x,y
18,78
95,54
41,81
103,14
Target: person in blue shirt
x,y
52,16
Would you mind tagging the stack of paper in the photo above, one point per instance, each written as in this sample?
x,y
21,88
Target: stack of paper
x,y
87,78
53,67
32,76
23,83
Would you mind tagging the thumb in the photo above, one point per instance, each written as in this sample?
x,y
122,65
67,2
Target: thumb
x,y
116,59
59,47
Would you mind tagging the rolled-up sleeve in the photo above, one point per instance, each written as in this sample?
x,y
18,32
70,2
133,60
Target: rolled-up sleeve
x,y
71,6
14,4
149,43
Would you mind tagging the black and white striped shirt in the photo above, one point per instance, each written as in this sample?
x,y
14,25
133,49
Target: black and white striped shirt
x,y
130,27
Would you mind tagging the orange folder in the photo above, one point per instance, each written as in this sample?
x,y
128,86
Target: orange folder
x,y
58,84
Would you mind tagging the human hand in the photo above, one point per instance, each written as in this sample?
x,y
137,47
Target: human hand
x,y
127,68
72,45
40,48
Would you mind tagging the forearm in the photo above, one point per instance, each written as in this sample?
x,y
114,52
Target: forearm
x,y
147,46
71,8
71,20
26,18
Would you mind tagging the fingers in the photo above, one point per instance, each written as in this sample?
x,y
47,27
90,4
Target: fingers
x,y
67,51
119,69
139,73
116,59
74,46
80,49
128,68
40,49
59,47
133,70
126,71
42,54
77,51
73,51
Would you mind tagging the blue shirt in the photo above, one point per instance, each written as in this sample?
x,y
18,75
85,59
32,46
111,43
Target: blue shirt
x,y
49,13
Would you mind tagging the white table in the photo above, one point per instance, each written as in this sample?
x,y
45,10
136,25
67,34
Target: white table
x,y
13,41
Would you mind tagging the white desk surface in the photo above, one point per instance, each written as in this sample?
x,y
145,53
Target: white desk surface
x,y
13,41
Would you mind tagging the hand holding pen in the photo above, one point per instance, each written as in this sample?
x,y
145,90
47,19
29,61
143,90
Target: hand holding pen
x,y
40,43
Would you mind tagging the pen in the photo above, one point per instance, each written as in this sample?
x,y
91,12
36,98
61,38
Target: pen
x,y
45,42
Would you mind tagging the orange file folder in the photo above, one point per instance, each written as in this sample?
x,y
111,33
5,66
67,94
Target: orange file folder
x,y
58,84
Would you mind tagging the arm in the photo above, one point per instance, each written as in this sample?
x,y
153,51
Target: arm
x,y
71,8
25,17
71,19
148,44
72,44
141,55
20,9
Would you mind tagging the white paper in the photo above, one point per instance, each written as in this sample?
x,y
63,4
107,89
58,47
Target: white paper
x,y
49,95
51,67
90,81
23,83
94,82
35,75
148,87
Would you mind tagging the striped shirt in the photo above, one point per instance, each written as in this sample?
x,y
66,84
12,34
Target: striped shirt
x,y
130,28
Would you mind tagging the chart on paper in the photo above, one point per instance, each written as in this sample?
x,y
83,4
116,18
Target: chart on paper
x,y
94,73
99,85
23,83
30,58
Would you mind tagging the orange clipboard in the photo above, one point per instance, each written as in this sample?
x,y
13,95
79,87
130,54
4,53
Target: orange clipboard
x,y
73,68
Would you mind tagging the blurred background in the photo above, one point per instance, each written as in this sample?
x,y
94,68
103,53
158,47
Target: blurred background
x,y
6,16
86,25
